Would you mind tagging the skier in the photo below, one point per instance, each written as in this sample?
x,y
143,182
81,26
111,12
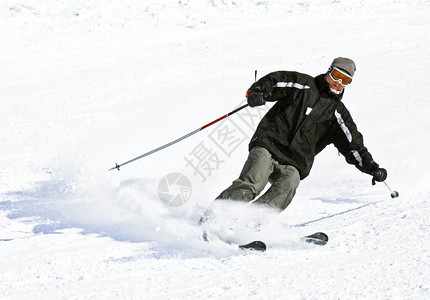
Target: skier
x,y
308,116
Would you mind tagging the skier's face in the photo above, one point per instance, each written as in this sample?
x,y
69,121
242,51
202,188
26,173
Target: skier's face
x,y
334,85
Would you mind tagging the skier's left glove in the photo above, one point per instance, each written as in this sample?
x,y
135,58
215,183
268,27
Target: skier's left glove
x,y
257,95
255,98
379,175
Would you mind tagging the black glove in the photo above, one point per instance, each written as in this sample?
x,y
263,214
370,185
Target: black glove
x,y
379,175
256,95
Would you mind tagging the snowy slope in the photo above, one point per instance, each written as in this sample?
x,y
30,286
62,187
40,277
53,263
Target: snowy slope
x,y
88,84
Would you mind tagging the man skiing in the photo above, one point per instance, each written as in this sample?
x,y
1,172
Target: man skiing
x,y
308,116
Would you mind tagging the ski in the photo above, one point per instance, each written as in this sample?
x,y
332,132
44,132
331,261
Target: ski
x,y
255,245
318,238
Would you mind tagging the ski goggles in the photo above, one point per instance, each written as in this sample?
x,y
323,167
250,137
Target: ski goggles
x,y
339,75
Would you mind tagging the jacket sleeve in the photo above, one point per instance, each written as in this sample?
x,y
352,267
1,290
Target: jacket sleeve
x,y
349,141
278,85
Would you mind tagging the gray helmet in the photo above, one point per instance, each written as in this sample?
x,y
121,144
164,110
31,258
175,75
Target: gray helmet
x,y
344,64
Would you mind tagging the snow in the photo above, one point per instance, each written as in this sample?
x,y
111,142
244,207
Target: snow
x,y
87,84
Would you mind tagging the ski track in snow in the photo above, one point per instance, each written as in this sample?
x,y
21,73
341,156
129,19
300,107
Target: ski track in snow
x,y
87,84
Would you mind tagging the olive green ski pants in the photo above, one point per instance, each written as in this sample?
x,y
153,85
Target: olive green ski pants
x,y
260,169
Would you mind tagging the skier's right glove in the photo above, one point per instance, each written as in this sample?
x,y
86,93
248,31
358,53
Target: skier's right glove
x,y
256,96
379,175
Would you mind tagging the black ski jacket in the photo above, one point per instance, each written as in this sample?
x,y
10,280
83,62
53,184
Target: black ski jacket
x,y
305,119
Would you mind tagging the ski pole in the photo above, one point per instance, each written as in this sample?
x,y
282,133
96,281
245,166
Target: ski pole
x,y
394,194
179,139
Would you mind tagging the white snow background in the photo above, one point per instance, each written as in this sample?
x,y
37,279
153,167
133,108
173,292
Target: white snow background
x,y
87,84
